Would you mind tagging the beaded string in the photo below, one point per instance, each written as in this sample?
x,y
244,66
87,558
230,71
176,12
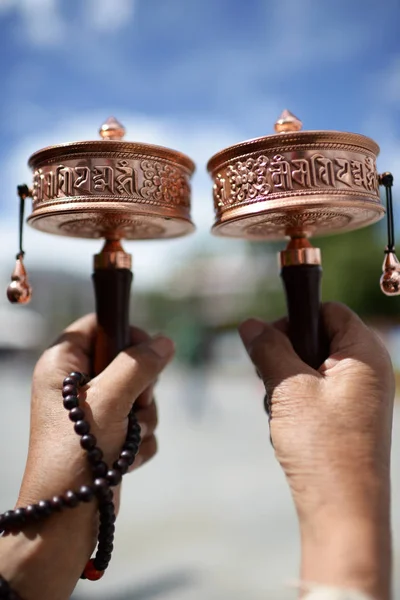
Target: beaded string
x,y
14,521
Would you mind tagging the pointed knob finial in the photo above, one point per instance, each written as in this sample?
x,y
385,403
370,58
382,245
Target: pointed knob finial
x,y
390,280
112,129
287,122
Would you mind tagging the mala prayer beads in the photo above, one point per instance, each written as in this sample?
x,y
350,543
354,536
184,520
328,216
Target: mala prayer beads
x,y
104,479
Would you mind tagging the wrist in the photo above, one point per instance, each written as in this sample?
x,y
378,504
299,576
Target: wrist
x,y
350,552
46,560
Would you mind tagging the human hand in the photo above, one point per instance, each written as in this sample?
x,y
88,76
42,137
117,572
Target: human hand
x,y
57,463
331,431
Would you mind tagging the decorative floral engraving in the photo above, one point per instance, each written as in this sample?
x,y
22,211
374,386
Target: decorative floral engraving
x,y
163,182
98,227
249,179
265,177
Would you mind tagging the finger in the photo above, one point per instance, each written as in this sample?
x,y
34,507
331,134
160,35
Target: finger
x,y
342,326
79,334
70,352
271,352
145,398
147,419
282,325
139,336
129,374
148,449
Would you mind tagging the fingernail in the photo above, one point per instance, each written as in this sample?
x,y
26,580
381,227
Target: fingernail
x,y
162,346
250,330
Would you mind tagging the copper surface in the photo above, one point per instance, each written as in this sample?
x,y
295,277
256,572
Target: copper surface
x,y
112,256
296,183
390,280
287,122
299,251
111,188
112,129
19,291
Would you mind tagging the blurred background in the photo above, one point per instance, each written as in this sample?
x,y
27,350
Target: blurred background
x,y
211,517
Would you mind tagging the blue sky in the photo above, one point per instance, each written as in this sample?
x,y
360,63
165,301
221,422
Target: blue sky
x,y
192,75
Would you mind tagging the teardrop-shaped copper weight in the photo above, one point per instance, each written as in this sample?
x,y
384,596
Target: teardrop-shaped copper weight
x,y
19,291
390,280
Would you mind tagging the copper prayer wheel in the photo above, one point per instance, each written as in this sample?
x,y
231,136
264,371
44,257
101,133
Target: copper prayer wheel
x,y
296,184
111,189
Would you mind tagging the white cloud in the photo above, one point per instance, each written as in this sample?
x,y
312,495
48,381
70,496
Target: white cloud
x,y
42,22
109,15
153,261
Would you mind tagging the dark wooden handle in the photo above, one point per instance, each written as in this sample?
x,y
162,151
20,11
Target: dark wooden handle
x,y
112,292
303,297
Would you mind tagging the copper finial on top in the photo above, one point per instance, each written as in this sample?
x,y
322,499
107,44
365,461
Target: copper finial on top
x,y
287,122
112,129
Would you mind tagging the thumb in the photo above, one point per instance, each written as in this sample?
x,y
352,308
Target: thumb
x,y
271,352
129,374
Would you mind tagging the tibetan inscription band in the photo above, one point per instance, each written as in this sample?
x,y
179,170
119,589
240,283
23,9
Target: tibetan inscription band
x,y
80,192
288,189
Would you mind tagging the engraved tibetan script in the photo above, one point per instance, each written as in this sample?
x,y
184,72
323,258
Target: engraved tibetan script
x,y
65,181
254,178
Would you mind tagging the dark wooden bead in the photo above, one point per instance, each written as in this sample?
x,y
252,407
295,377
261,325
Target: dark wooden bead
x,y
69,390
132,446
71,499
107,510
107,496
69,381
94,455
134,438
100,469
107,531
82,427
81,378
84,379
76,414
57,503
108,547
121,465
108,518
114,477
133,423
44,508
100,484
100,564
20,515
4,587
71,402
9,520
85,493
32,512
127,455
77,376
88,441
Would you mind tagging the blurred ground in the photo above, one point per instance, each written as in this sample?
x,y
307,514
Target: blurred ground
x,y
211,517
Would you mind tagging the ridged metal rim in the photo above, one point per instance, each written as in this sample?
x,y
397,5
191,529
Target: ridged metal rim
x,y
281,140
50,154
